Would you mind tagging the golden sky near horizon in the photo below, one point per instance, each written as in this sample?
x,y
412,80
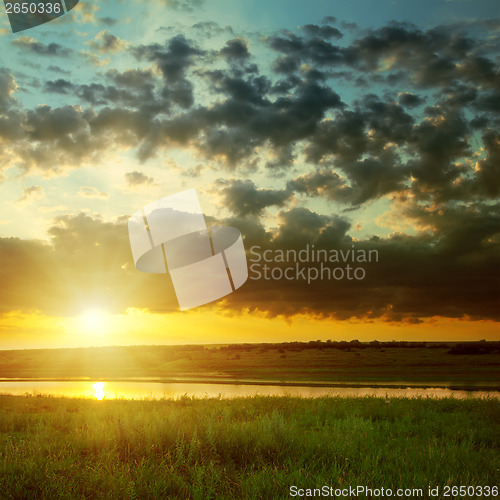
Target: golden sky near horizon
x,y
366,130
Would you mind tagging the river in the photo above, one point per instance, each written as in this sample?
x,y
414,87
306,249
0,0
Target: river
x,y
144,389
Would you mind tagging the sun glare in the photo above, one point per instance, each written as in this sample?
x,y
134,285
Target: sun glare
x,y
99,390
94,321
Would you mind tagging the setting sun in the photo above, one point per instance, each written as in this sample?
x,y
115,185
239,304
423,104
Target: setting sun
x,y
94,321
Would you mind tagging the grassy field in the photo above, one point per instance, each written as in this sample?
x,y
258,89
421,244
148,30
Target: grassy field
x,y
314,362
242,448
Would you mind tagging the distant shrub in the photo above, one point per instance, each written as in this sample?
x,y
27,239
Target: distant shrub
x,y
468,349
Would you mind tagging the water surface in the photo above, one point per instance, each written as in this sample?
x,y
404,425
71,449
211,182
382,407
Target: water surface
x,y
156,390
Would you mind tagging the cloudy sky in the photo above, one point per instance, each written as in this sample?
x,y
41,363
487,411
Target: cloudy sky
x,y
366,125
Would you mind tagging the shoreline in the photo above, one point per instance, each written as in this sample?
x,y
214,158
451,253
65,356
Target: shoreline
x,y
454,386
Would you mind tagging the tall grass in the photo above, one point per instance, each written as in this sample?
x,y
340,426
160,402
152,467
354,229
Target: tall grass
x,y
254,447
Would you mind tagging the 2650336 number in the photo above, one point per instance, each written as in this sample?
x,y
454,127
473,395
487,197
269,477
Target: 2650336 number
x,y
33,8
470,491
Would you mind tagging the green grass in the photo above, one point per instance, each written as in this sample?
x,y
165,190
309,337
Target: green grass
x,y
241,448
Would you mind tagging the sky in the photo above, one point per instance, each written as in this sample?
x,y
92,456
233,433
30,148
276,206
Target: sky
x,y
369,127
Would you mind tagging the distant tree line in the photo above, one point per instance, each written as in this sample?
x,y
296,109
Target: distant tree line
x,y
481,347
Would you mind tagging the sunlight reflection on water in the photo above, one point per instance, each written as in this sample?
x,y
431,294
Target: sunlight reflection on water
x,y
99,390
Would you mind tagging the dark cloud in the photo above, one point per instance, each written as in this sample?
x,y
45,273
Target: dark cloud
x,y
12,133
287,66
131,88
173,60
348,26
300,225
457,96
329,20
410,100
488,102
7,89
325,32
59,86
107,43
132,78
251,90
312,50
50,139
101,95
440,142
243,198
429,58
47,124
451,271
136,178
29,44
324,183
235,50
57,69
31,193
211,28
247,119
369,128
461,232
128,127
107,21
184,5
362,181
